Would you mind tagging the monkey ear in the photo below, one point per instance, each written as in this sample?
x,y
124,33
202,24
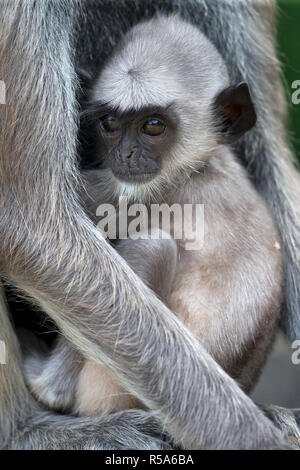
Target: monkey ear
x,y
236,112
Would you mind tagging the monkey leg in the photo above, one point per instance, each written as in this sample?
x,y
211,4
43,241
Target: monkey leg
x,y
63,380
51,375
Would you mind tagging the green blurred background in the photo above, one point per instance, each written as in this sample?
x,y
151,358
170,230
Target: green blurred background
x,y
289,54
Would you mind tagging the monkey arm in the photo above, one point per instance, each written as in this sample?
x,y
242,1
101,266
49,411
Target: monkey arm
x,y
153,260
51,251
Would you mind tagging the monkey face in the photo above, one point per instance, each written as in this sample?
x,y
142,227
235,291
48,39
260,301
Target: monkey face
x,y
135,144
162,143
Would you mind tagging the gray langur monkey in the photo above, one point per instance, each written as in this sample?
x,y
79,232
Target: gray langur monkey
x,y
165,116
52,252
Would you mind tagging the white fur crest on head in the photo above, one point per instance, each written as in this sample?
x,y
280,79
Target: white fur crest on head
x,y
159,61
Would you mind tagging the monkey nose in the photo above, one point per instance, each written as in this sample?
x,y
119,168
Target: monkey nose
x,y
129,154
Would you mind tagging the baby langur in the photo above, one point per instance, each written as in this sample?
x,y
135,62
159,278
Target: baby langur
x,y
164,115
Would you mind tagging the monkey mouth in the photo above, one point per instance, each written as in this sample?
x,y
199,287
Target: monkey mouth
x,y
135,177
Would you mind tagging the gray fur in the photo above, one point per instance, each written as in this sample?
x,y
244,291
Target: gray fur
x,y
47,240
230,289
154,261
287,421
244,33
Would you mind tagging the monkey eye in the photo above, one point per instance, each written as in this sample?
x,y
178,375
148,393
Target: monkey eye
x,y
154,127
110,124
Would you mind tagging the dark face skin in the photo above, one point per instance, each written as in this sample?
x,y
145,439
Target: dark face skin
x,y
133,144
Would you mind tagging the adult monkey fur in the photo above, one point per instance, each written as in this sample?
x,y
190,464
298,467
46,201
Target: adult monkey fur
x,y
164,114
43,256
